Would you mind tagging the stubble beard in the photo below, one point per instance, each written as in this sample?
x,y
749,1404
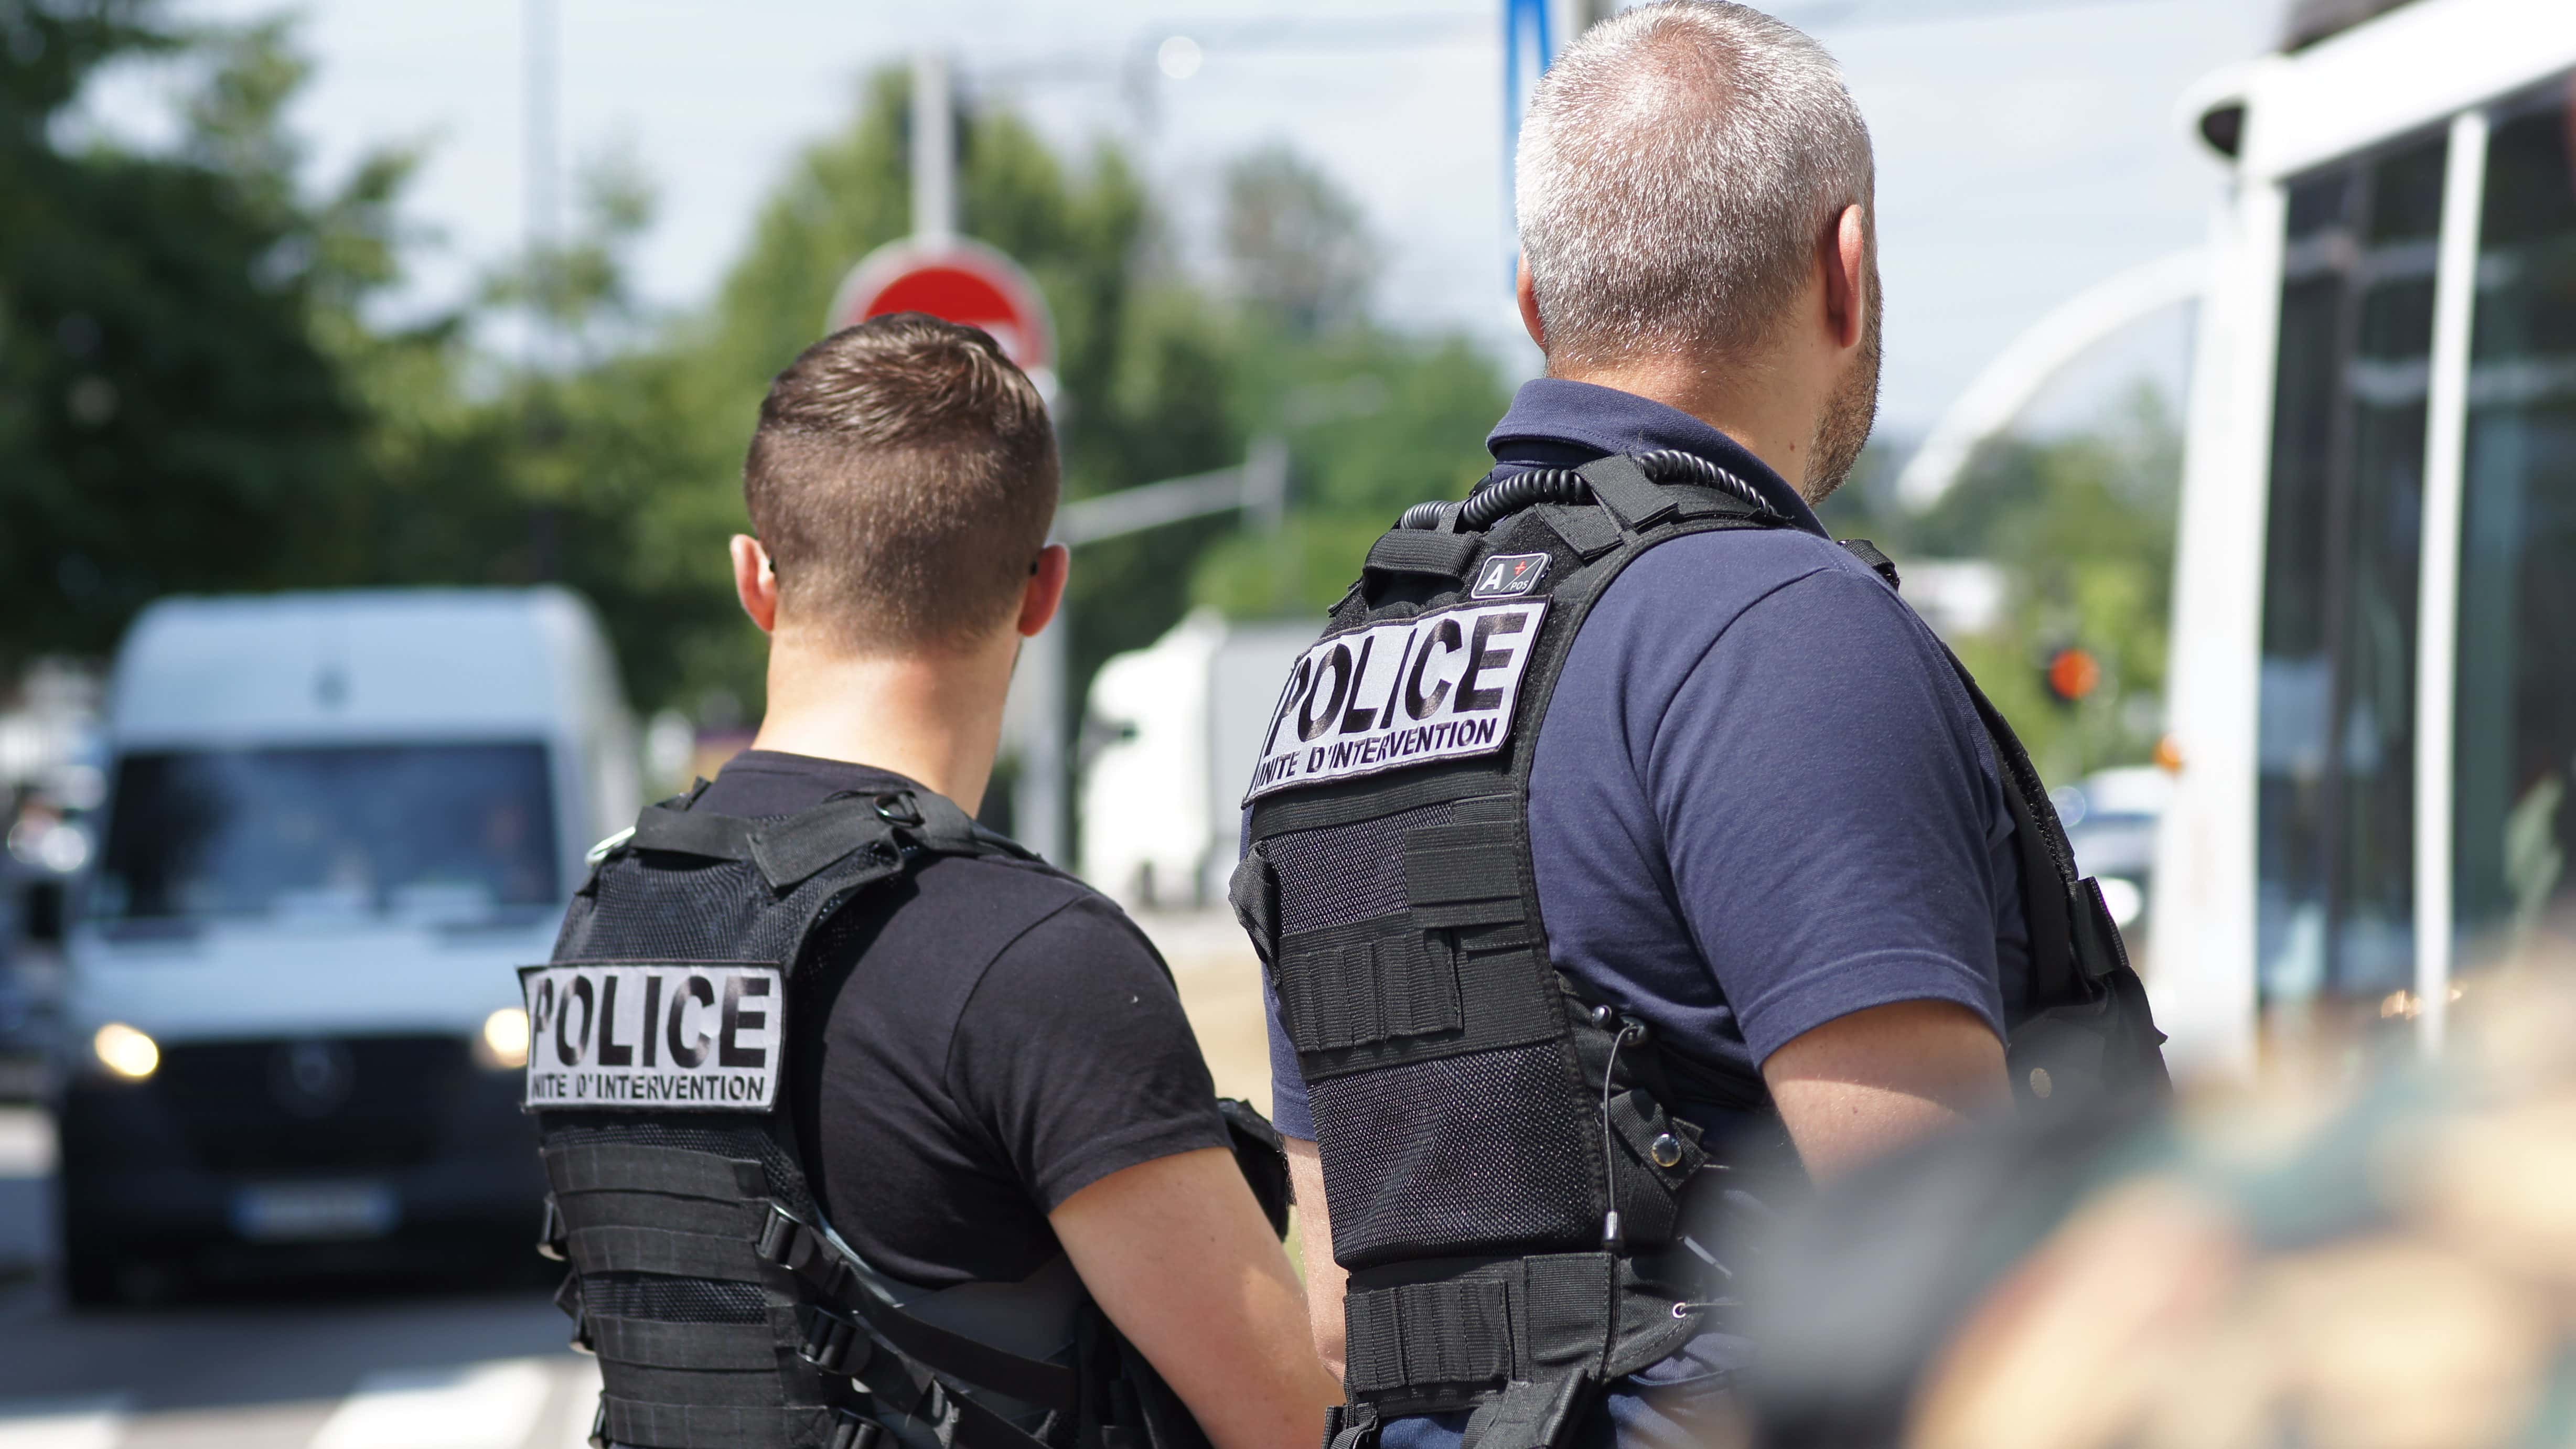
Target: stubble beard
x,y
1850,414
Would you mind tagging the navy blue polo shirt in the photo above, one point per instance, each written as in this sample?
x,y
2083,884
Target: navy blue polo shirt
x,y
1761,800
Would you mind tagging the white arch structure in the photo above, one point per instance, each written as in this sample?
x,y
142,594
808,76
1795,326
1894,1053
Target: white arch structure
x,y
2010,382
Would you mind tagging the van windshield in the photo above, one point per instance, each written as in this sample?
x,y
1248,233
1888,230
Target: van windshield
x,y
435,833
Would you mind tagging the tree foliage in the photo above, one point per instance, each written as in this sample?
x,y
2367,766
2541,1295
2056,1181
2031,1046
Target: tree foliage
x,y
2083,528
196,398
172,414
193,395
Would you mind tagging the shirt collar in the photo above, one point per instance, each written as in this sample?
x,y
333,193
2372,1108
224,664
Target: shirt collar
x,y
1558,423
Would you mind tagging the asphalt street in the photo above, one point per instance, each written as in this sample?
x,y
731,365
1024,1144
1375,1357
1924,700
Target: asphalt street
x,y
342,1367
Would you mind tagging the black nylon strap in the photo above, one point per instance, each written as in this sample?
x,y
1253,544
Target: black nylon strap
x,y
1032,1381
627,1167
973,1426
1868,553
1587,531
1422,551
947,829
2047,862
662,1251
1355,986
652,1343
1637,501
1423,1334
688,832
794,850
800,847
1570,1305
1254,893
644,1424
1462,875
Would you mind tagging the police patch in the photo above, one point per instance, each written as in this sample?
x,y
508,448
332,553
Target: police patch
x,y
654,1036
1506,575
1438,686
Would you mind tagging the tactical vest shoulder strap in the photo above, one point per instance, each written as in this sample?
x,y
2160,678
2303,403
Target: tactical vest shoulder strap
x,y
2091,1032
789,852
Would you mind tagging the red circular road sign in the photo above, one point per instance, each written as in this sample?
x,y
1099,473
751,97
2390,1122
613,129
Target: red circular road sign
x,y
958,280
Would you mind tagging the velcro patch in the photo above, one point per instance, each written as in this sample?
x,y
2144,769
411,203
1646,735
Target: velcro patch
x,y
681,1036
1438,686
1508,575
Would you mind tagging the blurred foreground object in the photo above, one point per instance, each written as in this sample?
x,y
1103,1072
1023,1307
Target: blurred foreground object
x,y
2390,1265
2371,688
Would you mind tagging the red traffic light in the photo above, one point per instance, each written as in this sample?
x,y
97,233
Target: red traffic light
x,y
2073,673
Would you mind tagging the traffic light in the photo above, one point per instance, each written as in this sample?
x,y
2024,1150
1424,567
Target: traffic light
x,y
2072,674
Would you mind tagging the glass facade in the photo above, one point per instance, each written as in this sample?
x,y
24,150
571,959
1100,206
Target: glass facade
x,y
2516,695
2343,542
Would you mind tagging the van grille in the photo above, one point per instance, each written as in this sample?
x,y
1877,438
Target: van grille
x,y
344,1104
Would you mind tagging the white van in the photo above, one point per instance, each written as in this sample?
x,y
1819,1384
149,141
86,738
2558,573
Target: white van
x,y
335,822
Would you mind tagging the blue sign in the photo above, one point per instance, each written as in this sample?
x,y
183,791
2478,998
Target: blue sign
x,y
1529,45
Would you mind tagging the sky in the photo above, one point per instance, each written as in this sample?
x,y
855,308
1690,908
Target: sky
x,y
2026,150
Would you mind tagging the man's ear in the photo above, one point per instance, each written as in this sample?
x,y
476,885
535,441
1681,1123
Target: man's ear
x,y
1842,254
1525,288
1044,593
755,582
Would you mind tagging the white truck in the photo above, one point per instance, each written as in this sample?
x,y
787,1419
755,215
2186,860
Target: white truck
x,y
1171,734
335,822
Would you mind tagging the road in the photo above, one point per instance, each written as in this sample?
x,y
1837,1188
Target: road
x,y
325,1370
361,1368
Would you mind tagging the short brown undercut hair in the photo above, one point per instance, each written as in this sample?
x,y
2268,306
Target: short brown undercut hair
x,y
903,479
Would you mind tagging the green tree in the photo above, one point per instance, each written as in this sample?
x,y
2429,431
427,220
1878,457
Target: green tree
x,y
1375,421
1295,250
172,415
1146,369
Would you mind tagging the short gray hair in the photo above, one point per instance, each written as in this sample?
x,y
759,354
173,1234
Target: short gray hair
x,y
1677,168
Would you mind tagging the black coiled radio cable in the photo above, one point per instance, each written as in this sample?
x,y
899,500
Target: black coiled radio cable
x,y
1499,498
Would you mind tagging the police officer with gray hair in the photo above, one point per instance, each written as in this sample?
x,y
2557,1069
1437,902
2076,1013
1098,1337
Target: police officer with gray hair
x,y
1627,855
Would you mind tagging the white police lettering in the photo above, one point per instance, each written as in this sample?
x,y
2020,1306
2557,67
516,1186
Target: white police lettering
x,y
654,1036
1439,686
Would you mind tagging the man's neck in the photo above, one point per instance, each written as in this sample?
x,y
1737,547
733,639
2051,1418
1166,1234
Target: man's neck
x,y
1739,400
932,718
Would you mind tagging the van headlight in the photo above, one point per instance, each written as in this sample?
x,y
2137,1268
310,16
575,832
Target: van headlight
x,y
503,1046
126,1052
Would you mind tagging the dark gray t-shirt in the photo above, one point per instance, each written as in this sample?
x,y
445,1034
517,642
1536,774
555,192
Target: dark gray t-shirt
x,y
981,1040
1760,799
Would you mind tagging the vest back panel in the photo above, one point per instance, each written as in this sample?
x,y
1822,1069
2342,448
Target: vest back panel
x,y
722,1310
1466,1099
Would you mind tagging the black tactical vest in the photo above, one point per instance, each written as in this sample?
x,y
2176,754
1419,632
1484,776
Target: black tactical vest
x,y
1511,1196
725,1313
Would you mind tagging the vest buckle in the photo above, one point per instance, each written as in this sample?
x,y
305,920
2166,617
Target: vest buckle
x,y
849,1431
781,1239
551,1234
834,1344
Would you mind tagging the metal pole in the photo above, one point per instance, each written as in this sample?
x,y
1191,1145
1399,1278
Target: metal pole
x,y
934,150
2437,659
538,123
